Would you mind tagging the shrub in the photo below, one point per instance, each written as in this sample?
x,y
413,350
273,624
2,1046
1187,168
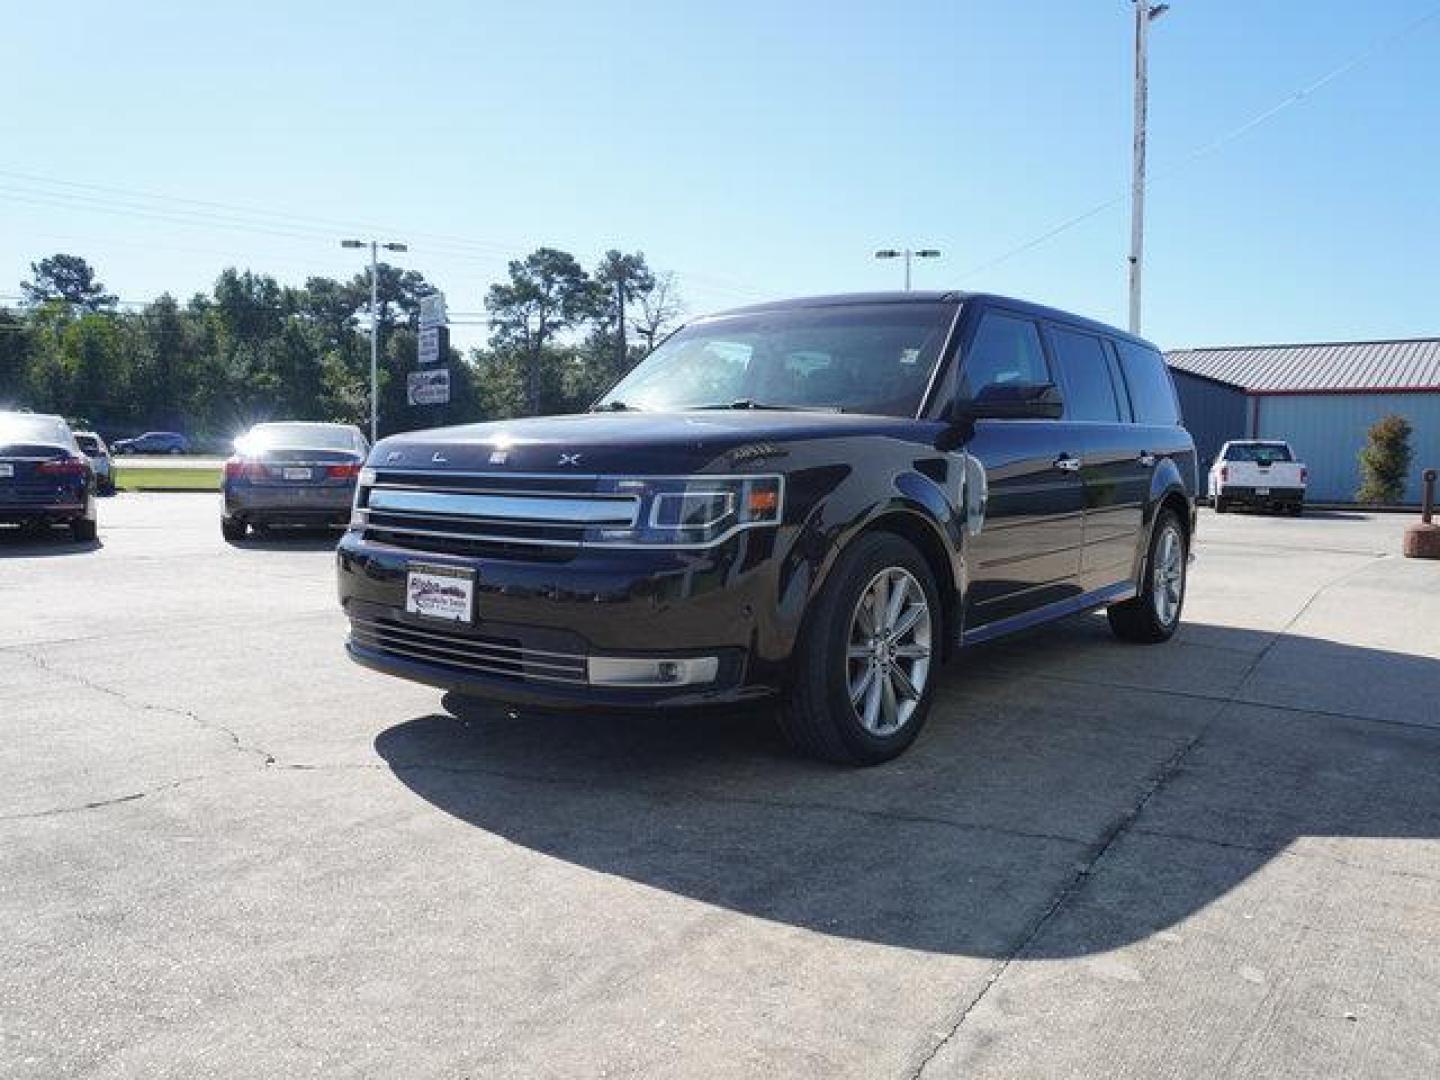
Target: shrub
x,y
1385,461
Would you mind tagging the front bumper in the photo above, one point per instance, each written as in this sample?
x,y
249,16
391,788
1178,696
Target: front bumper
x,y
537,623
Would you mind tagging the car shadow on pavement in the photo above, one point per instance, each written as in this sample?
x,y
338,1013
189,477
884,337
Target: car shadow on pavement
x,y
19,543
1058,769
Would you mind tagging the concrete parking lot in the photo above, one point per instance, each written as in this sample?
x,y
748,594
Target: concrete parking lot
x,y
225,851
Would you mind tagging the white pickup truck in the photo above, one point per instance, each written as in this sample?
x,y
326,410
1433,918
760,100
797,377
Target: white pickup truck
x,y
1258,473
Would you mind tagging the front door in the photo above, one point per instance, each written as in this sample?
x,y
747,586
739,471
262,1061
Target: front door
x,y
1026,552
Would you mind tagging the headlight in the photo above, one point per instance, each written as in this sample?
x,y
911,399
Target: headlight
x,y
693,510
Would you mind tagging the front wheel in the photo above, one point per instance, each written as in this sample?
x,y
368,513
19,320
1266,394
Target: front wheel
x,y
868,656
1154,614
84,530
232,529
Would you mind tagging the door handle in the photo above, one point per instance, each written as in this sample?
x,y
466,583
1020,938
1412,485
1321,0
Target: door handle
x,y
1147,459
1066,463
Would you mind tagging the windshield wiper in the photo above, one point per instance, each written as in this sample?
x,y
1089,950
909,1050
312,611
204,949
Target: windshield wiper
x,y
751,403
617,406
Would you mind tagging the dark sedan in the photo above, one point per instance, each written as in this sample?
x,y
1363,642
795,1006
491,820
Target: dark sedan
x,y
45,479
291,473
153,442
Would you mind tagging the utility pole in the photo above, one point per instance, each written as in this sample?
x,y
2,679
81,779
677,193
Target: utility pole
x,y
1145,12
907,254
374,246
620,324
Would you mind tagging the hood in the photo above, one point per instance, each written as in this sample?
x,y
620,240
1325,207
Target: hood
x,y
650,443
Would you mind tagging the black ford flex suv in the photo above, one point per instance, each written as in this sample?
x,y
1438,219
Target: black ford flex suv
x,y
816,501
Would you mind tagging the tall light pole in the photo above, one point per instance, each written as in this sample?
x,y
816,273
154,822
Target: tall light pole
x,y
374,246
907,254
1145,13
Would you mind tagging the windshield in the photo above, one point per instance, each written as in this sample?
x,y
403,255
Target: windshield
x,y
1260,453
25,428
860,358
300,436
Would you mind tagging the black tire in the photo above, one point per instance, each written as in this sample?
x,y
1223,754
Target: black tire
x,y
1296,509
1220,506
1139,619
233,530
817,717
84,530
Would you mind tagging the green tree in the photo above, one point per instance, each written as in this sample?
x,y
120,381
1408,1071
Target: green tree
x,y
1385,461
66,277
548,293
625,278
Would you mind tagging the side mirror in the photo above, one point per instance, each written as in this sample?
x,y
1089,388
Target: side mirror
x,y
1013,401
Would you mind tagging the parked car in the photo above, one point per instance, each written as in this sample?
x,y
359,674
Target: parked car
x,y
94,448
154,442
815,500
1260,474
44,477
291,473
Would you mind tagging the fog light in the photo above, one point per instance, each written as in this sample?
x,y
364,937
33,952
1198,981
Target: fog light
x,y
625,671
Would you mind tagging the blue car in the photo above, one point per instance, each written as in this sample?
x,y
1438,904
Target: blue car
x,y
153,442
45,478
291,473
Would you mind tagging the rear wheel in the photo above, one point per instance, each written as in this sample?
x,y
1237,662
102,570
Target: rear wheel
x,y
1220,506
233,529
84,530
868,656
1154,614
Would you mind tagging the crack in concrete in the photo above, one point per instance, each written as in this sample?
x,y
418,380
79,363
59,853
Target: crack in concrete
x,y
266,758
1121,827
102,804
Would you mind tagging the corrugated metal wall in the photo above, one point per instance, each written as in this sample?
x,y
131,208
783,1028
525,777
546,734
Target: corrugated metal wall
x,y
1213,413
1328,430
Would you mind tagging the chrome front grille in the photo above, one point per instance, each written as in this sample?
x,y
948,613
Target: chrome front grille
x,y
483,514
487,656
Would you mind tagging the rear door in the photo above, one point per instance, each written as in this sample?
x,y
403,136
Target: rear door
x,y
1027,551
1115,476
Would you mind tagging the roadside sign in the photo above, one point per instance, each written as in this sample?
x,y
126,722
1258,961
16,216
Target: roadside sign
x,y
432,310
430,387
430,344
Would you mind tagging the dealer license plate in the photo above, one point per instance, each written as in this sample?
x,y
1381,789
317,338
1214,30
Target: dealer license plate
x,y
1262,491
440,592
7,470
292,473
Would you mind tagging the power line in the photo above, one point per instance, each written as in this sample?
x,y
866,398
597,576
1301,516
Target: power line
x,y
1210,147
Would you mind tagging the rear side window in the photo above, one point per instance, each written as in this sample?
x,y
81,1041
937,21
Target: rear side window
x,y
1152,394
1089,394
1005,351
89,443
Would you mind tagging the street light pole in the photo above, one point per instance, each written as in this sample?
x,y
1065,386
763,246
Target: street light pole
x,y
907,254
1145,12
374,246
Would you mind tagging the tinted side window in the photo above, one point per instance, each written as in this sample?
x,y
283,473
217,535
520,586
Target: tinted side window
x,y
1151,391
1005,350
1089,394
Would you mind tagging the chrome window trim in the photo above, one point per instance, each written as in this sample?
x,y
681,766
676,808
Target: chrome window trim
x,y
938,370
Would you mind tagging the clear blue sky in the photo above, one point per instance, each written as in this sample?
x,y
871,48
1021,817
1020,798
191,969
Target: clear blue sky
x,y
758,149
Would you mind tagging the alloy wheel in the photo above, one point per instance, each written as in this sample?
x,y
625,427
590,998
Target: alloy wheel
x,y
1169,575
888,651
